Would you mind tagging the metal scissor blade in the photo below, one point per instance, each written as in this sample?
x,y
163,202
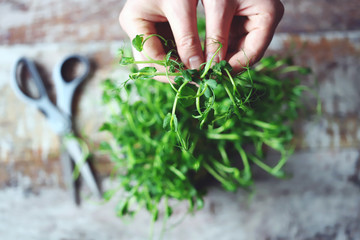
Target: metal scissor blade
x,y
73,147
72,185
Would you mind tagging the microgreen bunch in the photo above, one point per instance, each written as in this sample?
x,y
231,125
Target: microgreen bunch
x,y
204,122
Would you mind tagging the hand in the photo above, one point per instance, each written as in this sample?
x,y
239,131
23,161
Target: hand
x,y
143,16
244,27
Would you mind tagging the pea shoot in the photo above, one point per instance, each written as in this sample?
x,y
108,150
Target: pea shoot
x,y
203,123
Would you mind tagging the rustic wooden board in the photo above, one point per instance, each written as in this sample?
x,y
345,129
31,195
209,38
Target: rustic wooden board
x,y
328,41
320,16
24,21
335,62
320,201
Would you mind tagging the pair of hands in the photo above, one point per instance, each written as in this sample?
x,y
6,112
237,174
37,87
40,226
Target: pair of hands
x,y
244,27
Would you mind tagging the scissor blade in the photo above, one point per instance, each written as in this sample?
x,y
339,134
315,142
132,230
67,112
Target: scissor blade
x,y
71,184
73,147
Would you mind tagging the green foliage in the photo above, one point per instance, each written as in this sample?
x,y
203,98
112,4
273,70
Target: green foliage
x,y
138,42
205,123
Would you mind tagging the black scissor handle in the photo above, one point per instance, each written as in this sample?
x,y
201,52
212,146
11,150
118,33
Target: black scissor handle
x,y
21,67
59,122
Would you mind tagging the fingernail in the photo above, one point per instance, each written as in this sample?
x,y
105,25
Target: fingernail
x,y
195,62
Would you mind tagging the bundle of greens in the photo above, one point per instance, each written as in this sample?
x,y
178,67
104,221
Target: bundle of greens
x,y
206,122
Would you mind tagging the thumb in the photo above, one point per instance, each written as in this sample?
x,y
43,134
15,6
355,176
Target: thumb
x,y
182,19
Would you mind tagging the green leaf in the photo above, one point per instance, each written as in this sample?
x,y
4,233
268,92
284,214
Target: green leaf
x,y
168,211
187,91
108,84
137,42
155,214
304,71
199,202
106,127
179,80
268,62
208,117
192,71
105,146
211,83
218,68
169,55
207,93
106,98
187,76
172,69
147,72
191,204
166,122
187,96
122,207
109,194
126,60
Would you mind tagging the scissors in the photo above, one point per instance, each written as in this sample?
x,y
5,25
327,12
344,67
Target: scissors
x,y
59,116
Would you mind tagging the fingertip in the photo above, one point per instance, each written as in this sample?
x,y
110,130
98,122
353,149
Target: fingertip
x,y
195,62
189,49
183,22
243,59
212,50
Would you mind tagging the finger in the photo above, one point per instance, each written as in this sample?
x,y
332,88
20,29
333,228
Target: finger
x,y
218,16
258,32
250,49
183,22
135,20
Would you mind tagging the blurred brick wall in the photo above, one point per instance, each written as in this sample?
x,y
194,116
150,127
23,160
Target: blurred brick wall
x,y
322,34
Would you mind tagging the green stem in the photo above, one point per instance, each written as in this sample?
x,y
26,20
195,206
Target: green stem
x,y
160,74
168,78
223,154
166,217
215,174
235,91
176,100
198,101
208,64
182,141
223,127
245,161
197,94
261,164
177,97
136,130
229,136
150,61
154,35
236,109
283,160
